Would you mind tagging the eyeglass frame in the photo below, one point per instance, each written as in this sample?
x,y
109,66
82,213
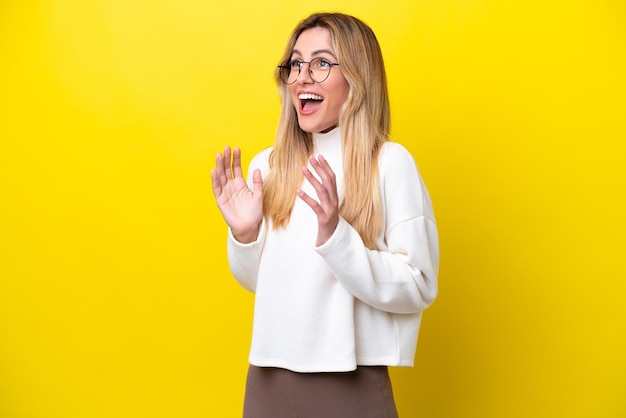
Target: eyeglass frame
x,y
285,65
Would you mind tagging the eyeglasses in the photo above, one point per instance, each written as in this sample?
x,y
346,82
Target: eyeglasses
x,y
319,70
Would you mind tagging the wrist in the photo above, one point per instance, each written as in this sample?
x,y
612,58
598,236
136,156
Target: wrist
x,y
246,236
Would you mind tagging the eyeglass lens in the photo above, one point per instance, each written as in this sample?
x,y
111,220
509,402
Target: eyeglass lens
x,y
318,68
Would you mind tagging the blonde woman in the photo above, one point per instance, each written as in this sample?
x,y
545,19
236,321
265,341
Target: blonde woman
x,y
334,232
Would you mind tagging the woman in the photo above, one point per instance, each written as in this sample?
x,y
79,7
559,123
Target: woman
x,y
334,233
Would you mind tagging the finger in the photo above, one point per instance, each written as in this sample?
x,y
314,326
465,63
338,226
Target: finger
x,y
326,167
322,171
322,167
326,201
317,208
327,188
217,187
317,185
226,163
237,163
257,184
219,169
331,183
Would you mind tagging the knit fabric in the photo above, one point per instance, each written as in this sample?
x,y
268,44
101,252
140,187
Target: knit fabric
x,y
339,305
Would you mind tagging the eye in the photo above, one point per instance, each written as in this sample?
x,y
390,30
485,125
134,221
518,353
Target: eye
x,y
296,64
321,63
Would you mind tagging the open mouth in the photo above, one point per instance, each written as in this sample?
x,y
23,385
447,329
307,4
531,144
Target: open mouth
x,y
310,102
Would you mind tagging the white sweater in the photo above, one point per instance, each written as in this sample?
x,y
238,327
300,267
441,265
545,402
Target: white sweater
x,y
339,305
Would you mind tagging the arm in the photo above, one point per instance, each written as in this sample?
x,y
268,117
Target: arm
x,y
399,279
401,275
241,207
244,259
244,254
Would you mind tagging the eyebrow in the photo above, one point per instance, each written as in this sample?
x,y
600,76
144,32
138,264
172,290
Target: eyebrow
x,y
317,52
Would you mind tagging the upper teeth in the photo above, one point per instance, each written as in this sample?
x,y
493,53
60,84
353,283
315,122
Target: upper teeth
x,y
309,96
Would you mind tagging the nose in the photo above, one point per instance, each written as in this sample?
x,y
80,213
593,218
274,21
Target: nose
x,y
304,76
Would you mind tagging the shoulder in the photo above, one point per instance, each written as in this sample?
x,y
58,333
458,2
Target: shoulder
x,y
261,160
402,188
263,155
394,158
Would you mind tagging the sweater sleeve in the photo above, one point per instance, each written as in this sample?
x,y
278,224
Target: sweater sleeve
x,y
244,259
400,276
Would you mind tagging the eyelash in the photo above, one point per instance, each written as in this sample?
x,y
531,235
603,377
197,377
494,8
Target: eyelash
x,y
297,63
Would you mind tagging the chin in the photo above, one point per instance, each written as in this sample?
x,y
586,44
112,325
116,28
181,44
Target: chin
x,y
313,127
308,127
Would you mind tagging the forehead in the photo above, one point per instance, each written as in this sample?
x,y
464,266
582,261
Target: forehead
x,y
313,41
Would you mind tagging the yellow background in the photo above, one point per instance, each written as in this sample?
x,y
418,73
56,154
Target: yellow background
x,y
115,297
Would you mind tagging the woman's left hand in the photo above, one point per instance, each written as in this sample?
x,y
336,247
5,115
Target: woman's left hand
x,y
327,210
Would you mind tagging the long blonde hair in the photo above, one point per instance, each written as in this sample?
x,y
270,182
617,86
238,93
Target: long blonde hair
x,y
364,122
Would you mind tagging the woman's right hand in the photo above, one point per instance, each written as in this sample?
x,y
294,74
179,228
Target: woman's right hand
x,y
241,207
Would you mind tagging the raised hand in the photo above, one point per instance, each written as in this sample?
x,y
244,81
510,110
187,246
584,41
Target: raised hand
x,y
241,207
327,210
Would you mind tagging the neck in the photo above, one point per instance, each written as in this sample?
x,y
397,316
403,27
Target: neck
x,y
330,133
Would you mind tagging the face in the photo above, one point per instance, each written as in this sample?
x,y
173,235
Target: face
x,y
317,104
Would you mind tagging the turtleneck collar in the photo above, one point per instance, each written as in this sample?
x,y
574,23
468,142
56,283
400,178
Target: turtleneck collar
x,y
334,133
327,143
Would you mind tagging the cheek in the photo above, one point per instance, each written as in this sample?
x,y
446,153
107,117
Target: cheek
x,y
291,92
341,96
342,90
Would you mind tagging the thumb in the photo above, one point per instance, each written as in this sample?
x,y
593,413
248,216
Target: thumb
x,y
257,183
